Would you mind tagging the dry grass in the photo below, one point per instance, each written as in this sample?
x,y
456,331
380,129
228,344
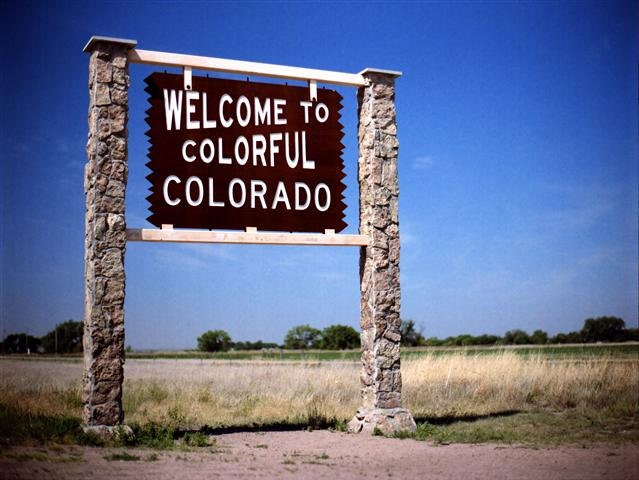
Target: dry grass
x,y
192,393
457,385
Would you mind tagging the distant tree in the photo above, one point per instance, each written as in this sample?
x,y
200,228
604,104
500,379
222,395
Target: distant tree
x,y
539,337
340,337
571,337
603,329
434,342
302,337
632,334
19,343
214,341
487,340
66,337
258,345
516,337
411,336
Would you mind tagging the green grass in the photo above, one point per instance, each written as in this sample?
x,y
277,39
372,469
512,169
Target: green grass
x,y
616,350
20,427
621,350
540,428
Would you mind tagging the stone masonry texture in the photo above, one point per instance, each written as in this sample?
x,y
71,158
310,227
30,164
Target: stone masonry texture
x,y
105,180
379,261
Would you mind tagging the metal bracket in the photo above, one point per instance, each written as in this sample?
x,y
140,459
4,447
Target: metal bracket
x,y
312,86
188,78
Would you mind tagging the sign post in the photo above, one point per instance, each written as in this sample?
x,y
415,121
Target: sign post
x,y
379,259
257,157
105,177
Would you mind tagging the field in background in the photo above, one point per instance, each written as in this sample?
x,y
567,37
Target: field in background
x,y
556,394
617,350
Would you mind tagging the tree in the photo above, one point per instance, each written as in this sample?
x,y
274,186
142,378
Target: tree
x,y
411,336
539,337
487,339
19,343
259,345
340,337
603,329
516,337
571,337
302,337
66,337
214,341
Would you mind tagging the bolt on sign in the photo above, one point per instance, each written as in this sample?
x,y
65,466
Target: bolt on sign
x,y
231,154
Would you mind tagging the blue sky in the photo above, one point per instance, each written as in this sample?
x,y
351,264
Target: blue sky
x,y
518,166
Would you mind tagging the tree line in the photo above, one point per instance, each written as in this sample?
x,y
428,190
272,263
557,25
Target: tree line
x,y
600,329
343,337
66,337
300,337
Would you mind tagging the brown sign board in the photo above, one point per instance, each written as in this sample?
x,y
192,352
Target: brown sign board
x,y
231,154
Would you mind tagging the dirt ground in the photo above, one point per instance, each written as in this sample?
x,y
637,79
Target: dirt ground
x,y
324,454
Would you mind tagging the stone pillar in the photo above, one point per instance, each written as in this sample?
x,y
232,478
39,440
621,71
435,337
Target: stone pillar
x,y
105,177
379,261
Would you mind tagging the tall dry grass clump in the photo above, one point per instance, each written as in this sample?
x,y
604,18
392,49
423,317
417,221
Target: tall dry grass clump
x,y
474,385
239,392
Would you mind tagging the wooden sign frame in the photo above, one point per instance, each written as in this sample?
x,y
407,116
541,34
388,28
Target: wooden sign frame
x,y
106,174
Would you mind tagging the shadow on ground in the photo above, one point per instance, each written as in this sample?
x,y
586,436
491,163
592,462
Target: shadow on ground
x,y
450,419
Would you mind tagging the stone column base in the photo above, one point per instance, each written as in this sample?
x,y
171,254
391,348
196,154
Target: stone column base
x,y
386,420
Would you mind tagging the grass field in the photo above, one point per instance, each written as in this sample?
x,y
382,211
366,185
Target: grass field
x,y
629,349
514,395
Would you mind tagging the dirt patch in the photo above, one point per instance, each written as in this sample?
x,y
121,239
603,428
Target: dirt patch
x,y
319,454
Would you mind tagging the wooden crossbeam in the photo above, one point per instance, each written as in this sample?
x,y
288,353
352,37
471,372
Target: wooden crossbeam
x,y
150,57
250,237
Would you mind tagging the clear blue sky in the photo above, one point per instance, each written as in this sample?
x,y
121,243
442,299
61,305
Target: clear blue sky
x,y
518,166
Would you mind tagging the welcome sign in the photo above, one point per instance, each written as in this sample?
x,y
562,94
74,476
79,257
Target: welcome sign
x,y
230,154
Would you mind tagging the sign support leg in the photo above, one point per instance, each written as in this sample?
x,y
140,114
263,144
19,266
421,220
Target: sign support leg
x,y
379,260
105,240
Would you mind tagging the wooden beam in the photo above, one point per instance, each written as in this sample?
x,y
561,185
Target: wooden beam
x,y
150,57
205,236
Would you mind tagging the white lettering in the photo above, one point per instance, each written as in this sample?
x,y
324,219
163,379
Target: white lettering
x,y
255,193
243,101
292,163
226,122
213,203
172,109
207,142
307,164
235,203
322,186
241,142
273,149
188,158
165,190
278,110
200,196
259,151
305,105
205,120
280,196
223,160
190,108
262,112
302,186
321,117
